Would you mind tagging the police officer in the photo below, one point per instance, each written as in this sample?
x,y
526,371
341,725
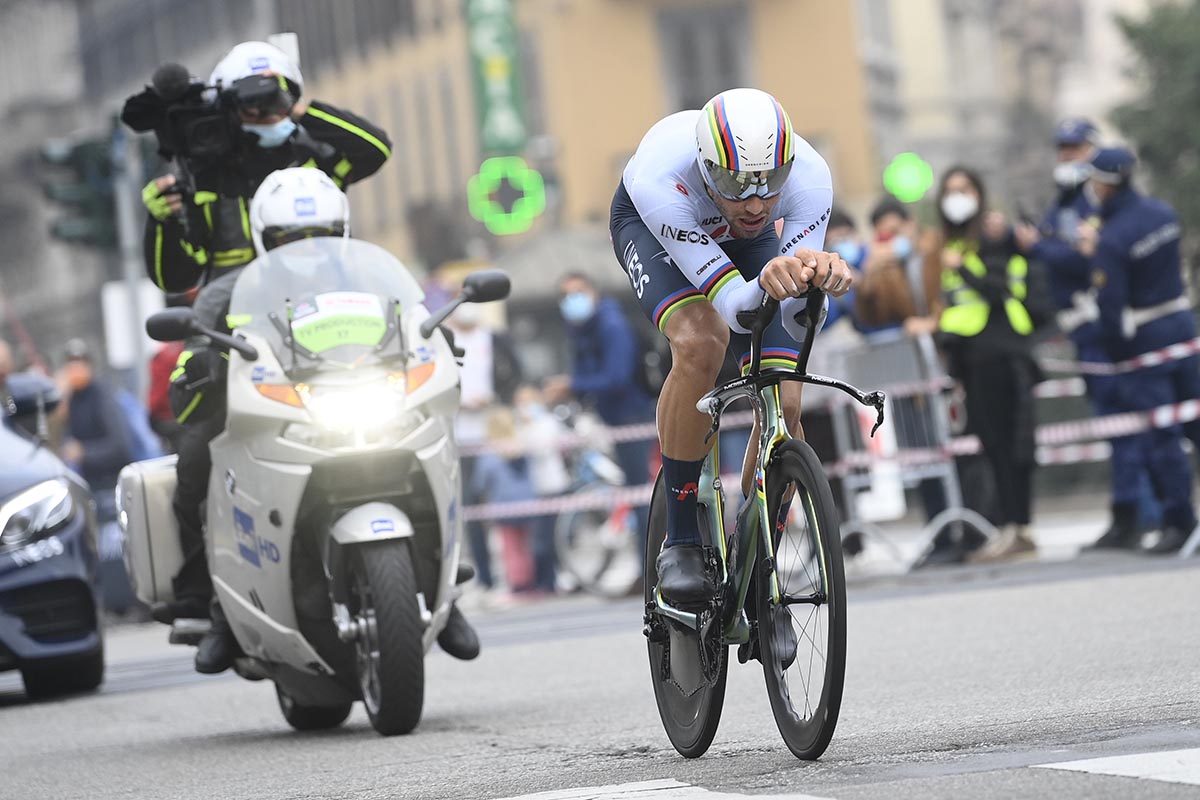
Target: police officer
x,y
1134,507
1142,307
202,232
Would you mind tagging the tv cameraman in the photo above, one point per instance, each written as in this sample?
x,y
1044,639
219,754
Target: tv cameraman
x,y
225,139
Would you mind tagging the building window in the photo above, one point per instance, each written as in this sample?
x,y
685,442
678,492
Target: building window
x,y
705,52
400,141
450,127
424,134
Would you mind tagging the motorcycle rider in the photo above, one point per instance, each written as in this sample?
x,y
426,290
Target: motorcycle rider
x,y
196,233
290,204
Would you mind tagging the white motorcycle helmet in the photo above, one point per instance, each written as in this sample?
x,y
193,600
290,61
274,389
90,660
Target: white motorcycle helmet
x,y
297,203
251,58
745,144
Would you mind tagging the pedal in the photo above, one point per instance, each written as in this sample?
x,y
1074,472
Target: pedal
x,y
464,574
188,631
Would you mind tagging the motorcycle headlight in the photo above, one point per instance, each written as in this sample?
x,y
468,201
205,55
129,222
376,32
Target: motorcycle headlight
x,y
353,417
35,512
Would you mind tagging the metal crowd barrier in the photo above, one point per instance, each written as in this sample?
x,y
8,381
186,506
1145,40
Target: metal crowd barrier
x,y
913,447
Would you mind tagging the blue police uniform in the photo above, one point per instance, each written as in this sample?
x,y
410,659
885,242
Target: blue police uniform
x,y
1070,275
1143,307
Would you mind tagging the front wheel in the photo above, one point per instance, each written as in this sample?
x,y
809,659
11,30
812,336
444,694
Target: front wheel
x,y
389,654
689,686
310,718
802,633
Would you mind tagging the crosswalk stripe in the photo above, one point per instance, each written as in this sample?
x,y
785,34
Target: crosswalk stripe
x,y
666,789
1171,766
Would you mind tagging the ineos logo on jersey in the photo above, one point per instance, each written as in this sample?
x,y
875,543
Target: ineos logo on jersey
x,y
795,240
633,265
682,235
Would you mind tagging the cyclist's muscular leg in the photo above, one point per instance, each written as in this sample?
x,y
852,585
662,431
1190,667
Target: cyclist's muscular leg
x,y
698,340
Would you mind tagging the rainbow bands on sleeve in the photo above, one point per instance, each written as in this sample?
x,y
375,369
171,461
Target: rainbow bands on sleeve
x,y
716,282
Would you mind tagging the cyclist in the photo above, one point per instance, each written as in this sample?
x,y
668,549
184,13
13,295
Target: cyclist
x,y
693,223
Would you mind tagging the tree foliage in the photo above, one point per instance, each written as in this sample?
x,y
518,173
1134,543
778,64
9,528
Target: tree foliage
x,y
1164,122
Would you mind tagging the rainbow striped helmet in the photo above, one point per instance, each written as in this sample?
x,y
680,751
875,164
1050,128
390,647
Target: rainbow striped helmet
x,y
745,144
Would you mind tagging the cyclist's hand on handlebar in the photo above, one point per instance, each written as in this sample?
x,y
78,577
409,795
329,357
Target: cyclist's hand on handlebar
x,y
792,276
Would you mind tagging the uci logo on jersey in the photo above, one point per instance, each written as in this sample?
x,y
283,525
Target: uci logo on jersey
x,y
305,206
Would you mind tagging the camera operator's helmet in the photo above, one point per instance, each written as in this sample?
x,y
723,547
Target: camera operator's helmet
x,y
745,144
297,203
252,58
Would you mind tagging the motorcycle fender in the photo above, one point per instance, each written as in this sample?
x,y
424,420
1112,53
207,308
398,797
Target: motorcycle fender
x,y
371,522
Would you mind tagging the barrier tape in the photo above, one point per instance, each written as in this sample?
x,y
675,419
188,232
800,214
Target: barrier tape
x,y
1172,352
1057,443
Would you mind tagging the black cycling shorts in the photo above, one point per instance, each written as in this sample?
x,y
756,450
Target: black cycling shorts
x,y
662,289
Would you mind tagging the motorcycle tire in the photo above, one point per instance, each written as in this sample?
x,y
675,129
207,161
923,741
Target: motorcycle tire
x,y
389,653
311,718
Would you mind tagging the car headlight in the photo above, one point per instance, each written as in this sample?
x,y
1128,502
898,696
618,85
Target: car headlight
x,y
35,512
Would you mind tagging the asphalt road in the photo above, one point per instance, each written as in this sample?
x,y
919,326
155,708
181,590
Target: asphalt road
x,y
961,682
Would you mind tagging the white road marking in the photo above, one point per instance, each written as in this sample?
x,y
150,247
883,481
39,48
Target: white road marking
x,y
1172,766
666,788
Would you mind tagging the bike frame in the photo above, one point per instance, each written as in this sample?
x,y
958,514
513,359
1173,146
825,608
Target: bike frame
x,y
763,391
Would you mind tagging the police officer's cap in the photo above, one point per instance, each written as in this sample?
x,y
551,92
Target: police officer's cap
x,y
1074,131
1112,165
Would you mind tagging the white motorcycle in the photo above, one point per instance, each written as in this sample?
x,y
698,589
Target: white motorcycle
x,y
334,509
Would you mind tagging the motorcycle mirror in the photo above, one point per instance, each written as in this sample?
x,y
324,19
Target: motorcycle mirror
x,y
486,285
172,324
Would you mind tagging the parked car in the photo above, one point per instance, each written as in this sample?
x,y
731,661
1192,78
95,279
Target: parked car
x,y
49,585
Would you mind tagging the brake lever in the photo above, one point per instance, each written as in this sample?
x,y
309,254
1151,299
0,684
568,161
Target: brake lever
x,y
876,399
714,410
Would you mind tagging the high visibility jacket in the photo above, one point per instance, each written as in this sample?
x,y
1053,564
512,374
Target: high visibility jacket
x,y
218,237
967,312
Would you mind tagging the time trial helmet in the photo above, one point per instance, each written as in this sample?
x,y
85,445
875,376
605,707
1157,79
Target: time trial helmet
x,y
745,144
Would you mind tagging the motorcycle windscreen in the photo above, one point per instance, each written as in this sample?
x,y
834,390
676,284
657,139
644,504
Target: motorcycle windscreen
x,y
337,294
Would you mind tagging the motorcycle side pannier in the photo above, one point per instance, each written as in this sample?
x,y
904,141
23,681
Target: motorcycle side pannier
x,y
152,551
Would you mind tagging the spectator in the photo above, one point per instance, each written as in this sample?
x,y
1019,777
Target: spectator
x,y
994,300
98,442
1055,243
1143,307
158,400
503,475
490,373
604,355
6,369
541,434
842,237
890,290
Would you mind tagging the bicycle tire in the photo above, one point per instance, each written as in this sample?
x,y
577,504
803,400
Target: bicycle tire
x,y
807,730
690,718
592,571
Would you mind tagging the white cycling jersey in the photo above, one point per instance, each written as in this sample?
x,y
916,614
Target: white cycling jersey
x,y
663,179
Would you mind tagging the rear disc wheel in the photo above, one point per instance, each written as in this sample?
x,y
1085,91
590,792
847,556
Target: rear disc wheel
x,y
689,688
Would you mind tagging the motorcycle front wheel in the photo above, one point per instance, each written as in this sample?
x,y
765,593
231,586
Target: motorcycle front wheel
x,y
389,654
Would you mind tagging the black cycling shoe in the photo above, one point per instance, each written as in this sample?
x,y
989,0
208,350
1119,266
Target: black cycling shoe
x,y
185,608
458,638
683,575
219,647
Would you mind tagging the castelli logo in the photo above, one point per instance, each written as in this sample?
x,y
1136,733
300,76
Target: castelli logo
x,y
681,188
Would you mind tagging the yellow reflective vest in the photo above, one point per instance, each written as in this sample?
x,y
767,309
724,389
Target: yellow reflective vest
x,y
966,312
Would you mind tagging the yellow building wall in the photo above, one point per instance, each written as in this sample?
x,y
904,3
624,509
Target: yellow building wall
x,y
602,86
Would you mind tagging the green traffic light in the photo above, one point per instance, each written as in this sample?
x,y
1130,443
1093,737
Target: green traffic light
x,y
526,181
908,177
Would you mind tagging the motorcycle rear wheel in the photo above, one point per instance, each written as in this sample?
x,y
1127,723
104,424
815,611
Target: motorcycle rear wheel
x,y
389,654
310,718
